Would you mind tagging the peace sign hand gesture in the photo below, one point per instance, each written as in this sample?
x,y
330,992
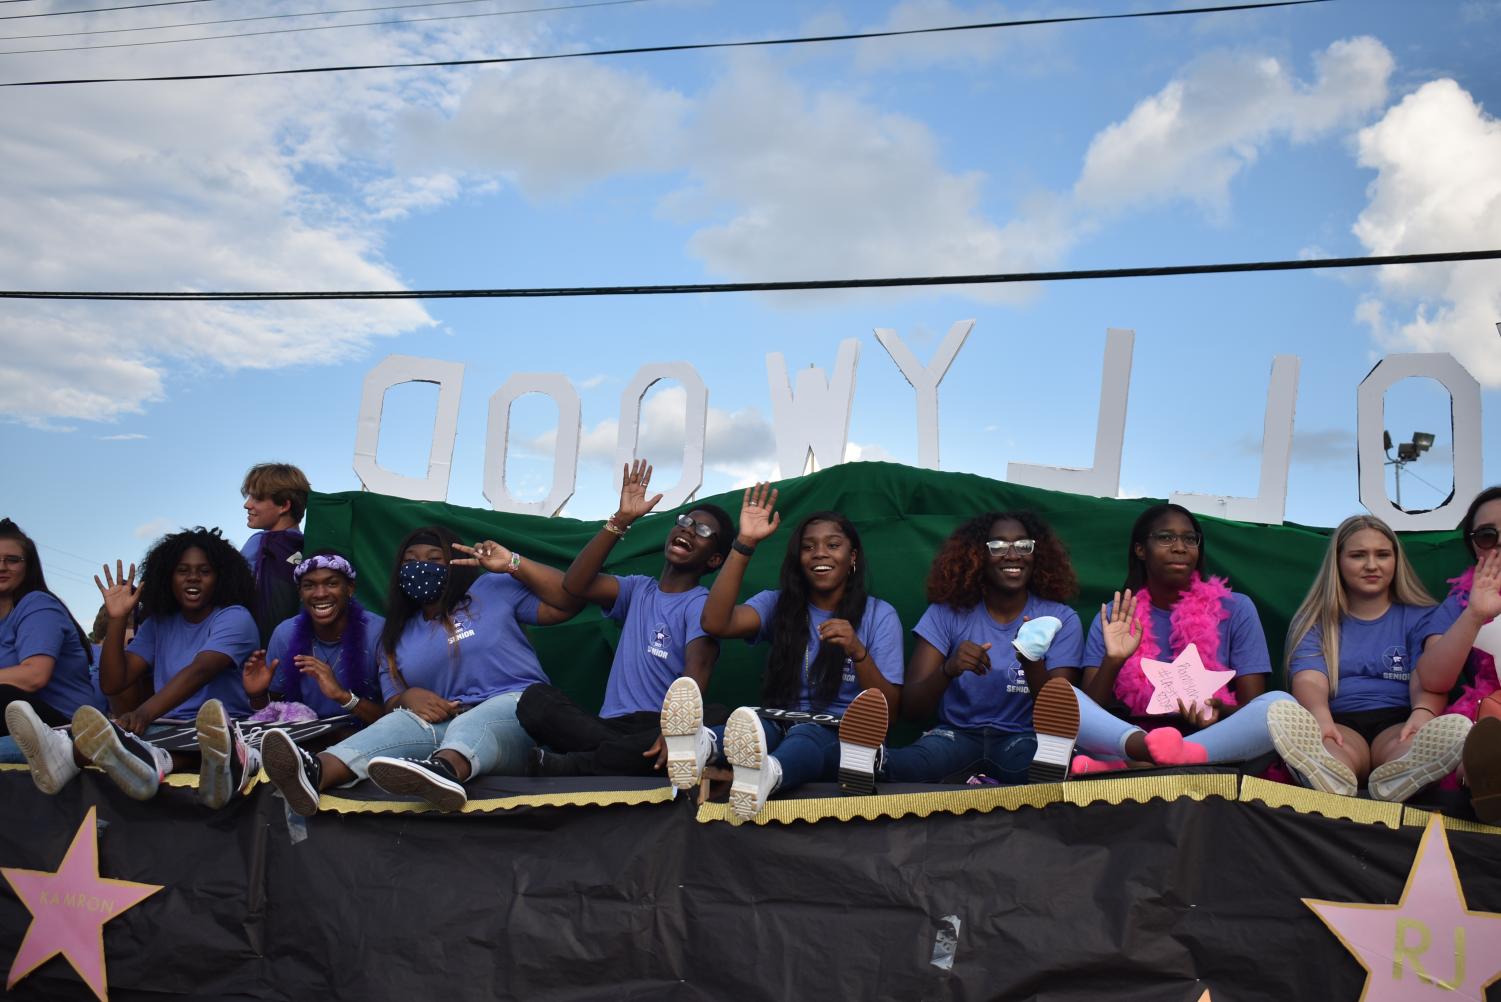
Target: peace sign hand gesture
x,y
758,517
633,500
119,590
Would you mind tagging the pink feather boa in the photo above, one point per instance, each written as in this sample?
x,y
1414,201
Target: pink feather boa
x,y
1196,619
1486,681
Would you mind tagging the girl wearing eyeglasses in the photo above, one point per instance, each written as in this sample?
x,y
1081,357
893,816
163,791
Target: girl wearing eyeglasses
x,y
998,591
1166,604
831,643
1354,645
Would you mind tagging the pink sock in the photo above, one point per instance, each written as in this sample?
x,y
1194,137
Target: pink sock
x,y
1083,764
1168,748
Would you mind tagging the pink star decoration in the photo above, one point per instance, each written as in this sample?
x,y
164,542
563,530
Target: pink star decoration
x,y
1427,945
1185,679
68,910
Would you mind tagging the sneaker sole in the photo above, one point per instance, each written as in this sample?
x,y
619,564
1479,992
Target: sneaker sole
x,y
410,781
682,717
1434,753
862,731
1055,720
26,728
215,746
1297,738
283,765
95,739
745,748
1482,760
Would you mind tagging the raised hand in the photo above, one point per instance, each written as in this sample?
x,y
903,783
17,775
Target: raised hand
x,y
1485,593
758,517
119,590
323,675
841,634
257,675
1122,632
969,657
489,554
633,500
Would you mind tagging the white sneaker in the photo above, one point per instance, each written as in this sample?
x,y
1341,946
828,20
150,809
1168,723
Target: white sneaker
x,y
49,752
1434,753
689,742
757,774
1299,740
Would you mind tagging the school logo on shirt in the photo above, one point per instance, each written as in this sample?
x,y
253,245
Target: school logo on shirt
x,y
461,631
1016,678
661,639
1394,663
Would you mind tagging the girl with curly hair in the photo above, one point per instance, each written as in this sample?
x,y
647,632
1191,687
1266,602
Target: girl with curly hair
x,y
1166,605
195,631
997,628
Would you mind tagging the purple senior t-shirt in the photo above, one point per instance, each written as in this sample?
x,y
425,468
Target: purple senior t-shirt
x,y
290,683
880,631
487,654
1376,656
1000,698
170,643
658,627
1242,641
40,625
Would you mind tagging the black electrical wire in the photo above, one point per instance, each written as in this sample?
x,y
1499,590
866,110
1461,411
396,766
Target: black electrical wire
x,y
1302,264
686,47
287,31
101,10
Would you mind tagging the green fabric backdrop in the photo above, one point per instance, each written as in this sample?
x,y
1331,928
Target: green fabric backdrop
x,y
903,514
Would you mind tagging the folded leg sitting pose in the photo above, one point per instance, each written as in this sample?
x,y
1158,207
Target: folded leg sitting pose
x,y
1354,644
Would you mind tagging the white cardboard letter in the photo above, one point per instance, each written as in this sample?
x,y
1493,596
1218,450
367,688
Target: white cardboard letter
x,y
812,426
925,380
565,457
1464,420
1103,479
695,426
1270,503
394,370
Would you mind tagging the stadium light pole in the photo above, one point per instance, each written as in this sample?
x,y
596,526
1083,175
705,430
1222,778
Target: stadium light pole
x,y
1407,452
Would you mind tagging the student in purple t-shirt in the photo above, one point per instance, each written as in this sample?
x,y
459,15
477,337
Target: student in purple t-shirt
x,y
998,575
831,644
1353,649
195,633
661,641
457,660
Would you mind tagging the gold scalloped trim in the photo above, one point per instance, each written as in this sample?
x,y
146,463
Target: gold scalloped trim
x,y
981,799
13,766
1329,805
1145,788
1416,817
598,798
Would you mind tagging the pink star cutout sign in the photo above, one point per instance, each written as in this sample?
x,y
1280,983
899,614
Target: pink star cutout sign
x,y
1427,945
1185,679
68,911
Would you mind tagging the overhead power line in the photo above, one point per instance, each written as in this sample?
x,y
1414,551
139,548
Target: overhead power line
x,y
288,31
686,47
102,10
803,286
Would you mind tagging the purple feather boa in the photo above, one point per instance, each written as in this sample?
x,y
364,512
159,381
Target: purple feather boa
x,y
352,653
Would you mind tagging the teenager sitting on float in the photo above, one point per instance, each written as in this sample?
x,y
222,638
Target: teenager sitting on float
x,y
662,645
1353,646
830,642
196,631
1165,605
323,662
457,660
45,654
996,630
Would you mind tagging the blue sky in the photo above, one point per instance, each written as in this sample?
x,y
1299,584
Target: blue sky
x,y
1337,129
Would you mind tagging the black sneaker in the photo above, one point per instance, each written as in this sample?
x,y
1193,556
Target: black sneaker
x,y
292,770
134,764
430,779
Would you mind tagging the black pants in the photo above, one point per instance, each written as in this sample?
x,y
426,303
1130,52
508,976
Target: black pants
x,y
583,744
9,694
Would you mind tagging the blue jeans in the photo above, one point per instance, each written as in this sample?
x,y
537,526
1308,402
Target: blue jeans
x,y
1238,738
946,750
488,735
10,754
807,753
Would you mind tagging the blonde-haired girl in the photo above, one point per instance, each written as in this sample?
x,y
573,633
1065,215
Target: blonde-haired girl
x,y
1369,618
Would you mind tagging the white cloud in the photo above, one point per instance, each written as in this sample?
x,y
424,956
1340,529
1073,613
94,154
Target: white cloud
x,y
1030,49
132,437
152,529
594,382
1194,136
1437,157
854,452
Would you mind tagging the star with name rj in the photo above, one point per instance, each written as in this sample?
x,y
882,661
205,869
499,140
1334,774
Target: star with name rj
x,y
1427,945
1182,679
69,908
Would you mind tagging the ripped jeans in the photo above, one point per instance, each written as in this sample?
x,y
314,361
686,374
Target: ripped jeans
x,y
487,734
946,750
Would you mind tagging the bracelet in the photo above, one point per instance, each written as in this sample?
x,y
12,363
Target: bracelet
x,y
862,657
740,547
611,527
1424,708
515,562
354,700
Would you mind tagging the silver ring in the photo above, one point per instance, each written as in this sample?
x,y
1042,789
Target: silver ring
x,y
752,504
